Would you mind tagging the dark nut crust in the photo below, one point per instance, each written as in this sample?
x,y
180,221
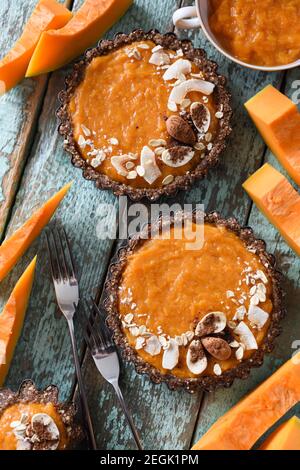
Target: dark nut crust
x,y
170,41
209,382
28,393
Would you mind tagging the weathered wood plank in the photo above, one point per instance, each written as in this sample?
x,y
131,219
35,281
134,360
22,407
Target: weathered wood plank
x,y
19,109
217,404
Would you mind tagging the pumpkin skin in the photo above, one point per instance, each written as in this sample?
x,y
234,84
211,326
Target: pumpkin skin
x,y
15,246
285,437
58,47
278,201
246,422
48,14
278,120
12,318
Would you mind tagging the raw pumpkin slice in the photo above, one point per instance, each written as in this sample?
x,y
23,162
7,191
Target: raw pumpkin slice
x,y
246,422
278,120
93,19
16,245
12,318
47,14
286,436
278,201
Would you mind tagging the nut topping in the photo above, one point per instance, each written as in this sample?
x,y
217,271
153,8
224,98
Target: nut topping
x,y
177,69
201,117
246,336
196,359
171,355
180,130
213,322
177,156
180,91
217,347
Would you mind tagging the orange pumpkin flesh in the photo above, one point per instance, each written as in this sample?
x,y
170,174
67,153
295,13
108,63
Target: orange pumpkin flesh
x,y
286,436
247,421
12,318
47,14
58,47
278,201
278,120
15,246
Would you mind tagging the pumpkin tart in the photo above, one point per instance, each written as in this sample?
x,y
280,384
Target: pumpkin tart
x,y
144,114
35,420
195,317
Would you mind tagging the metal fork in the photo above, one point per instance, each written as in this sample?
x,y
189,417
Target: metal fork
x,y
103,351
67,296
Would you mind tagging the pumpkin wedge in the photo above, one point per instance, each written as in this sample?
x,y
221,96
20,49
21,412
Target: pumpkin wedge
x,y
48,14
285,437
12,318
92,20
278,120
278,201
15,246
246,422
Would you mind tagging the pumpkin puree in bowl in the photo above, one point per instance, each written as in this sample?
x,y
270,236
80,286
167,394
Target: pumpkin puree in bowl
x,y
265,33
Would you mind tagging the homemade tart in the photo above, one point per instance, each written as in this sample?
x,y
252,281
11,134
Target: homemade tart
x,y
195,318
144,114
35,420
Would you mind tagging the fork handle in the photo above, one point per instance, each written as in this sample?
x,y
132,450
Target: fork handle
x,y
82,393
127,415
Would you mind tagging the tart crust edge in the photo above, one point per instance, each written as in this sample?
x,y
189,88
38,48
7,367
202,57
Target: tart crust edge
x,y
202,383
170,41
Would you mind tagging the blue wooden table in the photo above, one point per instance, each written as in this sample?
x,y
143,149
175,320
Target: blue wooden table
x,y
33,165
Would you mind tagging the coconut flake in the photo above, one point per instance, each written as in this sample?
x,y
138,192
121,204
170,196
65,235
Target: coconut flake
x,y
213,322
159,58
148,162
118,162
177,69
257,316
246,336
171,355
198,366
180,91
153,346
201,117
168,160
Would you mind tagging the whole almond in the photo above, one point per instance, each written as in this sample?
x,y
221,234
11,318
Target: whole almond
x,y
217,347
180,130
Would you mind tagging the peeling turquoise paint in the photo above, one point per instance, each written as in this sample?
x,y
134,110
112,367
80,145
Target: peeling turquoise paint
x,y
4,167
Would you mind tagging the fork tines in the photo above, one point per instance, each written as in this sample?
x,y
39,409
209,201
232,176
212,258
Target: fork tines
x,y
60,255
96,333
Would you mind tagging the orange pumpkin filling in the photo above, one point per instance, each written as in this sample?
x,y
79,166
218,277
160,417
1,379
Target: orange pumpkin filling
x,y
120,109
263,33
20,425
177,301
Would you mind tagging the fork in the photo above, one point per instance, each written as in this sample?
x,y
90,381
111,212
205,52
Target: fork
x,y
103,351
67,296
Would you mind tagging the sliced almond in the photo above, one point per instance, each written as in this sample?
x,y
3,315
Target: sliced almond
x,y
195,358
177,156
180,91
257,316
171,355
118,163
180,130
175,71
246,336
201,117
153,346
213,322
217,369
217,347
148,162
